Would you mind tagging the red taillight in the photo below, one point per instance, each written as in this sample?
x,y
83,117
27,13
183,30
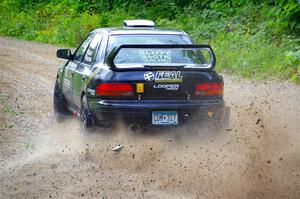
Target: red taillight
x,y
114,89
209,89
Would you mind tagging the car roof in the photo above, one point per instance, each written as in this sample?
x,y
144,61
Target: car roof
x,y
138,31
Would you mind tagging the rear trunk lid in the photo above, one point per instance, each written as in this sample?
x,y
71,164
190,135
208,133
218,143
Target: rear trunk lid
x,y
163,72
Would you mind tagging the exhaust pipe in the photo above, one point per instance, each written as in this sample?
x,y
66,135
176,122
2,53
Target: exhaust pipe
x,y
135,128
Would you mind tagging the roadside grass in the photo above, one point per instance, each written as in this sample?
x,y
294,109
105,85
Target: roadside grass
x,y
29,146
3,96
252,57
7,111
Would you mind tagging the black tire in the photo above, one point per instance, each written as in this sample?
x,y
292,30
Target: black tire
x,y
86,117
59,104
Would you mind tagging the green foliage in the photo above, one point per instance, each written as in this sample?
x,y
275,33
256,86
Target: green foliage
x,y
252,38
292,64
30,146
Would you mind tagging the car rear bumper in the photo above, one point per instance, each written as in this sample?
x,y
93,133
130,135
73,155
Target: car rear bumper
x,y
141,110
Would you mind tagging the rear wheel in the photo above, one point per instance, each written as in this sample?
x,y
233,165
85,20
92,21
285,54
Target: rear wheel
x,y
87,122
59,104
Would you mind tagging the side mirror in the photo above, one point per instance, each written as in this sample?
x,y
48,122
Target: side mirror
x,y
64,53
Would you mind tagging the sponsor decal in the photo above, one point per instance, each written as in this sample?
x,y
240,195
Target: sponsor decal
x,y
155,55
168,76
168,87
164,76
88,56
149,76
139,87
67,83
91,91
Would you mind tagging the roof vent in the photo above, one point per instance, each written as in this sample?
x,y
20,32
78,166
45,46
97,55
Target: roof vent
x,y
139,23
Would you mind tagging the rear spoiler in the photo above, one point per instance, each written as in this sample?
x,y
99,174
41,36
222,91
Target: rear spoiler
x,y
113,53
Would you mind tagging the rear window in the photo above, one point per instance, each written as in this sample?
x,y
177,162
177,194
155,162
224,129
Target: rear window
x,y
141,57
117,40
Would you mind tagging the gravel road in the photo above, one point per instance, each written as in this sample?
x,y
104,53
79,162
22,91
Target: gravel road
x,y
258,156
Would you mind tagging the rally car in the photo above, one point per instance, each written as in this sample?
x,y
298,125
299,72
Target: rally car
x,y
138,73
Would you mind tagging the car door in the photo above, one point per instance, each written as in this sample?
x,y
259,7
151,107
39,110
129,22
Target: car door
x,y
84,69
71,67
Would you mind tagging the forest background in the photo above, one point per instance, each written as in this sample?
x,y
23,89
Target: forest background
x,y
257,39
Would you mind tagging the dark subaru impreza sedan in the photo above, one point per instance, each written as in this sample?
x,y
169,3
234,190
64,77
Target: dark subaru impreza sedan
x,y
141,74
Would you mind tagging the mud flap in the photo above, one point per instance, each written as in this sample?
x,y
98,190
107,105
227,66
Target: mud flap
x,y
219,118
59,104
225,119
212,117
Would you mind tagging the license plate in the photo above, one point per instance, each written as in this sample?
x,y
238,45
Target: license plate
x,y
164,117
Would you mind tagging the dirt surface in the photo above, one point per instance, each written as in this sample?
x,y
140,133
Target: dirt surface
x,y
258,156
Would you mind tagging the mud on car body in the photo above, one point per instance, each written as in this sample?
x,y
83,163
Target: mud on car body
x,y
139,73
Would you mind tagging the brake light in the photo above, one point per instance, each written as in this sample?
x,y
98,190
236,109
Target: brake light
x,y
114,89
205,89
